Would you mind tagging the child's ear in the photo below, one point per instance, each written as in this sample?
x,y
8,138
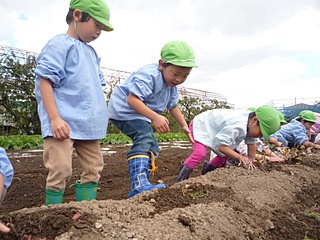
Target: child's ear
x,y
77,14
161,62
255,119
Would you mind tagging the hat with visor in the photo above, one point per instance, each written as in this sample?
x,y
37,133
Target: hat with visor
x,y
269,120
178,53
97,9
308,115
281,117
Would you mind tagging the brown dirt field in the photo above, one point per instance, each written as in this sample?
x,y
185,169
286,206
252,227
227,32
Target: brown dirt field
x,y
276,201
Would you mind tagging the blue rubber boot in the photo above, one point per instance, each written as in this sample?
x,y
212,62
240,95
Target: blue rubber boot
x,y
139,174
86,191
53,197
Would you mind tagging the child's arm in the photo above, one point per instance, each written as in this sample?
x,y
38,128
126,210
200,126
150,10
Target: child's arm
x,y
310,144
228,152
272,157
274,141
177,115
251,155
60,128
251,151
161,123
309,133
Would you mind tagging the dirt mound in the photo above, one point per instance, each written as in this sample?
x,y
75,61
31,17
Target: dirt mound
x,y
276,201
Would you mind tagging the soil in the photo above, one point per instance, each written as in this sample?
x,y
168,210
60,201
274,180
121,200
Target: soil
x,y
275,201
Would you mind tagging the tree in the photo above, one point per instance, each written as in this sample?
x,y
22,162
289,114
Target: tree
x,y
17,97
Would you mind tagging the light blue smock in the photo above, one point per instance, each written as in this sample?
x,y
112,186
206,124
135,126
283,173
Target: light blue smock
x,y
149,86
222,127
73,67
293,132
6,169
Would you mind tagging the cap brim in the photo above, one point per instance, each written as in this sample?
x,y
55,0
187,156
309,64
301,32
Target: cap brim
x,y
184,64
108,28
106,24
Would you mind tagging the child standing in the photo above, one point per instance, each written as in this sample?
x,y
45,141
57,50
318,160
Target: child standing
x,y
71,103
222,130
295,132
6,175
139,101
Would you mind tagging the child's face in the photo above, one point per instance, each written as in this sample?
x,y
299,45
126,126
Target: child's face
x,y
307,125
254,130
88,31
174,75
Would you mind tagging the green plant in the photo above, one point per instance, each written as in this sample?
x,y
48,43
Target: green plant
x,y
18,142
311,213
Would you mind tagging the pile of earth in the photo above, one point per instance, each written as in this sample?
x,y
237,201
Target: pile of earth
x,y
275,201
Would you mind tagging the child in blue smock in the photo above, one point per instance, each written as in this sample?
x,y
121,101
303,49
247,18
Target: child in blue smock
x,y
222,130
295,132
139,101
6,175
71,103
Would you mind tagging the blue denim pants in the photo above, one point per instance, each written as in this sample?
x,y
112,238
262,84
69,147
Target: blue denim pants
x,y
142,136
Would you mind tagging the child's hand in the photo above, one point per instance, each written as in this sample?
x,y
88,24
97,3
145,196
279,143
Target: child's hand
x,y
251,165
244,160
276,159
161,124
317,146
60,129
247,161
4,228
186,130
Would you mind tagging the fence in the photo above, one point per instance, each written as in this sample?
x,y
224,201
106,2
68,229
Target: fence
x,y
292,107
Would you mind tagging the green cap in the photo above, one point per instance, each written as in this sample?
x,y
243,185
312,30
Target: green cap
x,y
178,53
308,116
268,119
281,117
97,9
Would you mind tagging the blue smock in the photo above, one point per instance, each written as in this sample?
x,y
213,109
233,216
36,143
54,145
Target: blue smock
x,y
148,85
73,67
6,169
293,132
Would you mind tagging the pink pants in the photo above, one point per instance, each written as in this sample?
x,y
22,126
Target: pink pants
x,y
199,154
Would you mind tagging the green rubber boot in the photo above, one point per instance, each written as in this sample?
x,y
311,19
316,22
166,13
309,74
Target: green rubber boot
x,y
86,191
53,197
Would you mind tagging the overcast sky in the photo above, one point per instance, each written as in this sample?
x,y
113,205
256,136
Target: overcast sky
x,y
250,51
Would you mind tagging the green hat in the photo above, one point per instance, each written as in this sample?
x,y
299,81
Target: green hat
x,y
281,117
97,9
178,53
308,116
268,119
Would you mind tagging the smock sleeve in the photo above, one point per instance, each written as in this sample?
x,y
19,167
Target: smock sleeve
x,y
6,168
